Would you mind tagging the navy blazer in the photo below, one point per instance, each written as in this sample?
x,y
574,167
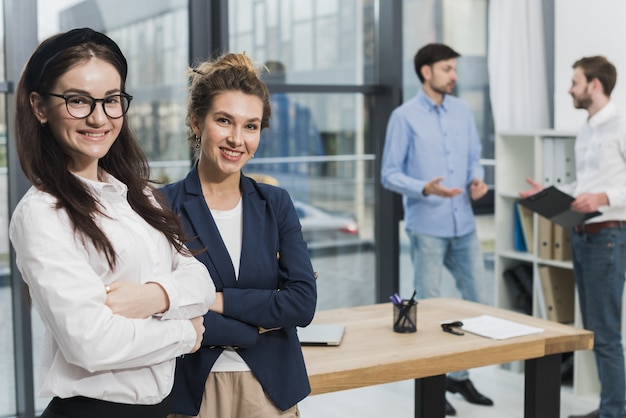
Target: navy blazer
x,y
276,289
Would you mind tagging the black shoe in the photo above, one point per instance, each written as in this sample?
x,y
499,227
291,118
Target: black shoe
x,y
450,409
594,414
469,392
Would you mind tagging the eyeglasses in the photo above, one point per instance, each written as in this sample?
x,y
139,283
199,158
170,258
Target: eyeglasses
x,y
81,106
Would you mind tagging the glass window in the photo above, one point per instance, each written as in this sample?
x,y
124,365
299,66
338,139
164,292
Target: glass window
x,y
317,41
318,146
318,150
7,377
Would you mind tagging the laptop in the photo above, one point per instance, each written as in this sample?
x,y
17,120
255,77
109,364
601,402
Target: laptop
x,y
321,334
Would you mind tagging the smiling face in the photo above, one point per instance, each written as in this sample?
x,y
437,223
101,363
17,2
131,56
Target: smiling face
x,y
230,134
89,139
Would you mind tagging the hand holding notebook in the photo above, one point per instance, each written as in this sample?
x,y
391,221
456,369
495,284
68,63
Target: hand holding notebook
x,y
554,204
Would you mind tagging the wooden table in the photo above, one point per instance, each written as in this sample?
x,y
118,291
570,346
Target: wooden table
x,y
371,353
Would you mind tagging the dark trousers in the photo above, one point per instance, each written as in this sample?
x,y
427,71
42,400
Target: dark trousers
x,y
82,407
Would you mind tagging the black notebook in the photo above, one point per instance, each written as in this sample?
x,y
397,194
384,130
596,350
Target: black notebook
x,y
554,204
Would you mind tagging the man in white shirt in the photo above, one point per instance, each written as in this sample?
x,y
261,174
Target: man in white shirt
x,y
599,245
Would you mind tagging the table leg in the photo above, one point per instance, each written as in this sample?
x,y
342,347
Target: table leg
x,y
542,387
430,395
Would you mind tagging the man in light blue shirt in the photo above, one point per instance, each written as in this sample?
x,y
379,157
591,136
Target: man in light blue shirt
x,y
432,157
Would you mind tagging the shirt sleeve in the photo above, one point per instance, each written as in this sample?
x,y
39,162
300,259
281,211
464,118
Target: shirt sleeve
x,y
393,174
189,288
70,298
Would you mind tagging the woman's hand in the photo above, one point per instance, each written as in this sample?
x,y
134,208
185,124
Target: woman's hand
x,y
218,303
137,300
198,324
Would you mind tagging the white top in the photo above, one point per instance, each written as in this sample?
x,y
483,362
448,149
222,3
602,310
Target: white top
x,y
88,350
229,223
601,162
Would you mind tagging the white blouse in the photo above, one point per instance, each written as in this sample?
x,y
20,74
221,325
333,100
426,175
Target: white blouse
x,y
89,351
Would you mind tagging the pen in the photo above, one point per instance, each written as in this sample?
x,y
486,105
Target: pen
x,y
403,315
395,299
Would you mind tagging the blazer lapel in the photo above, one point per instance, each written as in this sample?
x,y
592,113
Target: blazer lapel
x,y
254,208
198,216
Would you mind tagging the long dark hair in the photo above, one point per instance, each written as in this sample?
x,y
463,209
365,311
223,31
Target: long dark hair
x,y
45,162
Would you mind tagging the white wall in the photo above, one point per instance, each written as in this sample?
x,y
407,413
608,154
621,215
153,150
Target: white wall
x,y
585,28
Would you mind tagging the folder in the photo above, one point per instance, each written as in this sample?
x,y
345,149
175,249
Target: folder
x,y
548,161
564,167
554,204
526,221
519,244
545,238
562,243
558,290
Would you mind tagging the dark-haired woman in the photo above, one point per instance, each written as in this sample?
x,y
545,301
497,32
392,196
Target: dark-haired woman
x,y
120,296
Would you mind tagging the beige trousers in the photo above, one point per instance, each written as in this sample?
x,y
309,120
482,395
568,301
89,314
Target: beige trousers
x,y
237,395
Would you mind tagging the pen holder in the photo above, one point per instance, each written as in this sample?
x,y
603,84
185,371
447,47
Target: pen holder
x,y
405,317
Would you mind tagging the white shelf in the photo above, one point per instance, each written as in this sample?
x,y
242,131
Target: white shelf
x,y
520,155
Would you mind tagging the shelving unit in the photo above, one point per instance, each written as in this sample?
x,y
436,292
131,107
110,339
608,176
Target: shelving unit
x,y
520,155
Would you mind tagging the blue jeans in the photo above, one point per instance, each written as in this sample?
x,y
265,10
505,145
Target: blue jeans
x,y
463,259
599,268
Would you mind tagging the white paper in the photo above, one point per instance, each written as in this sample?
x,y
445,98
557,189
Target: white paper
x,y
497,328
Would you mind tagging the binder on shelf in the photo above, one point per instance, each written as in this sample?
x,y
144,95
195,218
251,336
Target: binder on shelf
x,y
519,244
526,220
554,204
564,167
548,161
545,238
562,243
558,291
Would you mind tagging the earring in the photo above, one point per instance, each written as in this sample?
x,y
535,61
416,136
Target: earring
x,y
198,139
43,123
252,156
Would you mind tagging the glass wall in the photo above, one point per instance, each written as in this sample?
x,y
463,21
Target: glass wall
x,y
318,146
313,41
7,377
